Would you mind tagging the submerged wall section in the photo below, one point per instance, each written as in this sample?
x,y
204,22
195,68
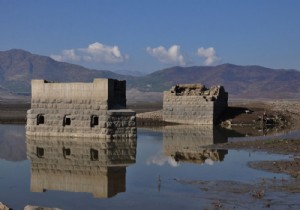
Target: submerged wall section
x,y
194,104
96,109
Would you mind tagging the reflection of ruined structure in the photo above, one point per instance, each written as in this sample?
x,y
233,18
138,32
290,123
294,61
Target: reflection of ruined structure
x,y
186,142
194,104
97,166
95,109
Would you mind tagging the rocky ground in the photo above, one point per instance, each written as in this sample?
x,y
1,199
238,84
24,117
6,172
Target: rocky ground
x,y
248,112
272,193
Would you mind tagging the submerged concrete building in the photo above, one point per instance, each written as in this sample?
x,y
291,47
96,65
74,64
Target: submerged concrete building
x,y
96,110
194,104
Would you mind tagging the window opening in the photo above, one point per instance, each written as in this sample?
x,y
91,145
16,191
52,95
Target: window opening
x,y
40,152
94,120
94,154
66,152
67,120
40,119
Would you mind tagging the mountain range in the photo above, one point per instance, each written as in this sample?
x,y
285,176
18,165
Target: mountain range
x,y
18,67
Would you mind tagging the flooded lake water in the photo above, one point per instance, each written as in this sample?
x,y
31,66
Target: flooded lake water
x,y
155,171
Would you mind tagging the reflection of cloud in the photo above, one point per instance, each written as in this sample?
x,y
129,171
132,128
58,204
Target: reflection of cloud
x,y
95,52
161,160
209,161
170,56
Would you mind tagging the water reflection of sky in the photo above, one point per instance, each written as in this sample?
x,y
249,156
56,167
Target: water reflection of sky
x,y
150,182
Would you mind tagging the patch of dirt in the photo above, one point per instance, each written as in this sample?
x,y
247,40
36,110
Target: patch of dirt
x,y
282,146
291,167
265,193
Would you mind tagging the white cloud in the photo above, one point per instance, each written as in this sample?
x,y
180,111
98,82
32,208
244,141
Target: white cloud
x,y
170,56
66,55
95,52
209,54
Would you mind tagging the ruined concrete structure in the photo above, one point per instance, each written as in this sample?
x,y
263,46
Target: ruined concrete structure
x,y
185,143
194,104
80,164
96,109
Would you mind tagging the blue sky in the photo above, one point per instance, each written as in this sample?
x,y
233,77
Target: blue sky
x,y
141,35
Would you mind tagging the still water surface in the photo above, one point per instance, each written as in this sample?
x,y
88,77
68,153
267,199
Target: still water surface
x,y
142,173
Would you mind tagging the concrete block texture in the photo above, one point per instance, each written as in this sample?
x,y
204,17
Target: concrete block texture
x,y
96,110
194,104
101,91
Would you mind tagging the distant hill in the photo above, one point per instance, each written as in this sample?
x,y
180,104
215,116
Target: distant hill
x,y
18,67
240,81
130,73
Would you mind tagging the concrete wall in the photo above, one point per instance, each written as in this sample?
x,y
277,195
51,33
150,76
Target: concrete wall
x,y
187,109
114,124
104,177
194,106
104,99
105,92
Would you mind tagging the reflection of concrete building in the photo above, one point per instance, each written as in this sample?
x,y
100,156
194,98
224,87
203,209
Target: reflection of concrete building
x,y
194,104
80,165
95,109
186,142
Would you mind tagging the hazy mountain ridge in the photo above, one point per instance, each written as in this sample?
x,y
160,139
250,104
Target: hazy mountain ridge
x,y
239,81
18,67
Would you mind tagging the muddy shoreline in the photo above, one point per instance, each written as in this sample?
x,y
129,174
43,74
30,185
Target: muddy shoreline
x,y
289,147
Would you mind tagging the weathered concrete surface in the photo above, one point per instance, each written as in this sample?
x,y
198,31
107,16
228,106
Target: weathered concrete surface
x,y
96,110
96,166
194,104
109,92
